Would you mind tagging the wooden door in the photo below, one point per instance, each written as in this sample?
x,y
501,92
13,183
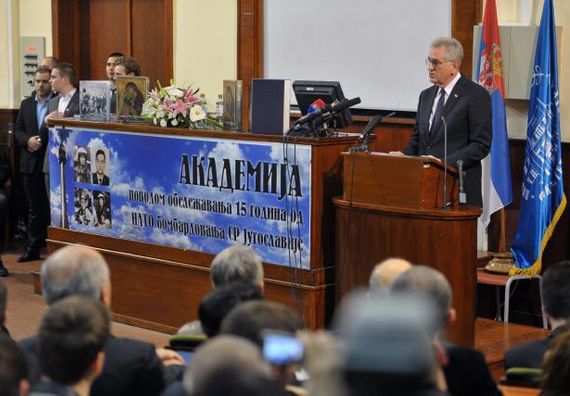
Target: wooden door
x,y
85,32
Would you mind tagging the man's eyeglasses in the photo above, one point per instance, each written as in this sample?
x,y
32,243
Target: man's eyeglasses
x,y
434,62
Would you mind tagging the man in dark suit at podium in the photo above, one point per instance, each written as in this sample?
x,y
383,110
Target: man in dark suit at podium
x,y
459,104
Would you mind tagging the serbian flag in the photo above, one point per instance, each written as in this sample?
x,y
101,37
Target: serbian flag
x,y
496,181
543,200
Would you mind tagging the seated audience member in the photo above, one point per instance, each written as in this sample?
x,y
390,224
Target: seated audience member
x,y
384,274
127,66
72,336
324,361
227,366
237,263
556,306
218,304
387,345
252,318
13,369
131,367
556,377
466,372
249,319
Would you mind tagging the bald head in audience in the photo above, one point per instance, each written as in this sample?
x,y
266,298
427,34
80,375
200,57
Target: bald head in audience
x,y
385,272
76,270
237,263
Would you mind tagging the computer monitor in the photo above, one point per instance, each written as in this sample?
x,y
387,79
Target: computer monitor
x,y
307,92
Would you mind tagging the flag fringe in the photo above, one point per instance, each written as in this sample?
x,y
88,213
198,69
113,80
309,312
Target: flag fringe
x,y
536,267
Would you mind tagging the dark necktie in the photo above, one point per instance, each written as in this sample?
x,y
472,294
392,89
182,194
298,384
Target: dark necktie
x,y
438,112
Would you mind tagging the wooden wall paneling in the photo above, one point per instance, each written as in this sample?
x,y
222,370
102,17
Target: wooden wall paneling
x,y
464,15
152,43
250,48
67,31
108,31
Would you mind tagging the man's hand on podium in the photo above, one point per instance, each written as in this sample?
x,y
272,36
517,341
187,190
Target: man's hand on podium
x,y
398,153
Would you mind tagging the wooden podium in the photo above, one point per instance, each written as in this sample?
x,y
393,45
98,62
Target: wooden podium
x,y
392,207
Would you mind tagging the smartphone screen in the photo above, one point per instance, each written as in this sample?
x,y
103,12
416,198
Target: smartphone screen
x,y
281,348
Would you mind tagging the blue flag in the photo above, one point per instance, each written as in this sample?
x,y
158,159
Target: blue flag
x,y
543,200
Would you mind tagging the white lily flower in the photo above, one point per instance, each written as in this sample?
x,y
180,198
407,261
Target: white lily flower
x,y
197,113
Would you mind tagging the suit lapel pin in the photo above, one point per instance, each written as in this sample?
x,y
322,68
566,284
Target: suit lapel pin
x,y
455,95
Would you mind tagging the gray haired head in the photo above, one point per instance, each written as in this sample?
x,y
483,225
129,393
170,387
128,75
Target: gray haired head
x,y
74,271
426,280
236,263
453,48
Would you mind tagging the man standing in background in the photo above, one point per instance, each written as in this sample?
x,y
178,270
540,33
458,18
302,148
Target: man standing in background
x,y
33,111
110,69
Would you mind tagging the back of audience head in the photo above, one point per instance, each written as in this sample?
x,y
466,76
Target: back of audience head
x,y
385,272
127,66
71,339
13,368
228,365
220,301
236,263
556,293
75,270
251,318
388,346
555,381
425,280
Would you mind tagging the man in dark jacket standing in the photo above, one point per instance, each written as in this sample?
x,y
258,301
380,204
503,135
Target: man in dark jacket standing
x,y
33,111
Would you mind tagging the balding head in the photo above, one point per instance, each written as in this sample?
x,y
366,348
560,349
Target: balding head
x,y
385,272
76,271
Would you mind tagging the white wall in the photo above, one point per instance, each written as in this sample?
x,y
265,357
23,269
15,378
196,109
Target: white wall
x,y
9,38
205,44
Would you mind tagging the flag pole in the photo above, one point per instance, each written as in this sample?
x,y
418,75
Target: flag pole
x,y
502,261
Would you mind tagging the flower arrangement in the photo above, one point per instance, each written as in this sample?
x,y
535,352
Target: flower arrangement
x,y
176,107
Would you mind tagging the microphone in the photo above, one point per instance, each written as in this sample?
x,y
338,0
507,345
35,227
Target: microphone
x,y
462,194
445,203
314,110
316,106
342,105
367,131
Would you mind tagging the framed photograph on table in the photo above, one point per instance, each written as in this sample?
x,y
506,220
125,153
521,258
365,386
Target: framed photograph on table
x,y
131,94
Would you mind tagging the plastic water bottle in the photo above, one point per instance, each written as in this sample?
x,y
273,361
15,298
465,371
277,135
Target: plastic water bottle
x,y
219,107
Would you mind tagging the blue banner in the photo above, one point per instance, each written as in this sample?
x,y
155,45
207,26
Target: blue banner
x,y
543,199
201,194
